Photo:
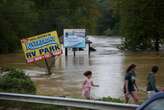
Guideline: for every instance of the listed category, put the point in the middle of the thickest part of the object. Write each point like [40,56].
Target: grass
[110,99]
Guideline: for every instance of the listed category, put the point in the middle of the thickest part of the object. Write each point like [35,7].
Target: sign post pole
[66,51]
[74,51]
[89,46]
[48,67]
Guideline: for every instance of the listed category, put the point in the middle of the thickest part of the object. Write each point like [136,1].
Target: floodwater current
[108,65]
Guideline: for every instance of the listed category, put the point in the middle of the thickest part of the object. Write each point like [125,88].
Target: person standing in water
[130,86]
[87,85]
[151,81]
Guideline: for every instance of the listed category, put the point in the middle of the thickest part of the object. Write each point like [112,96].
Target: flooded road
[108,65]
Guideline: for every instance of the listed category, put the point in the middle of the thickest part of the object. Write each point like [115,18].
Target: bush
[15,81]
[108,32]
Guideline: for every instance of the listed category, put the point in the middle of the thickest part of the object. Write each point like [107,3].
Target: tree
[17,19]
[107,22]
[141,23]
[60,14]
[24,18]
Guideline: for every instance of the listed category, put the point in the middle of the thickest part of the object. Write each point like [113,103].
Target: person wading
[151,81]
[130,86]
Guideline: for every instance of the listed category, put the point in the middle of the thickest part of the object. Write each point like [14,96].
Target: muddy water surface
[108,65]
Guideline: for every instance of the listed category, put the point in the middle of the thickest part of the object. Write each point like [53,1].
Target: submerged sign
[74,38]
[41,46]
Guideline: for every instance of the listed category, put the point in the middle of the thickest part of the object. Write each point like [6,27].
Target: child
[88,83]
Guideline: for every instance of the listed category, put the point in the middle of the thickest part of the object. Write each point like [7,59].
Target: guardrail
[67,102]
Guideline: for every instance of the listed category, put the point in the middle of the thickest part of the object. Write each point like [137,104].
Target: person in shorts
[130,86]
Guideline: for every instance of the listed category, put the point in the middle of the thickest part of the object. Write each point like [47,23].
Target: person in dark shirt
[151,81]
[130,86]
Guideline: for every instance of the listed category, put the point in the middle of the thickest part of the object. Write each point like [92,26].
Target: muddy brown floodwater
[108,65]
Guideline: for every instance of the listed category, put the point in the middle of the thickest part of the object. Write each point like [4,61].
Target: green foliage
[16,81]
[107,24]
[141,22]
[108,32]
[16,20]
[110,99]
[24,18]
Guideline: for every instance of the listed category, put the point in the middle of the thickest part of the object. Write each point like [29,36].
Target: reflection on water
[107,64]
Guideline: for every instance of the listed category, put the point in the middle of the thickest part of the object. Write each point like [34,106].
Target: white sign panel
[74,38]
